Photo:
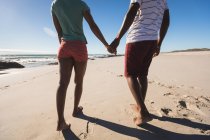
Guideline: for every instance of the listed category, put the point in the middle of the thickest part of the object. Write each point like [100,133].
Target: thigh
[65,65]
[147,60]
[134,57]
[80,69]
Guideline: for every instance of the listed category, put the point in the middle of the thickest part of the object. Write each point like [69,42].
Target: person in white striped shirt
[147,22]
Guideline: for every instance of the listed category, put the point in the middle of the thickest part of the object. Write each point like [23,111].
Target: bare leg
[80,68]
[143,114]
[66,66]
[144,84]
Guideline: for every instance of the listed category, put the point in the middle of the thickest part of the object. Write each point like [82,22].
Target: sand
[178,99]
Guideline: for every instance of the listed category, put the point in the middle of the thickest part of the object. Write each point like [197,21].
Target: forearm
[128,20]
[163,32]
[98,34]
[125,26]
[164,27]
[57,27]
[59,39]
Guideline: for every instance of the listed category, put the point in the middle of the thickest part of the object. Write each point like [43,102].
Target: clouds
[50,32]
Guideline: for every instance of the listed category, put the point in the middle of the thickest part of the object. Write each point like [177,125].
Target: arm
[164,27]
[57,27]
[93,26]
[163,31]
[129,18]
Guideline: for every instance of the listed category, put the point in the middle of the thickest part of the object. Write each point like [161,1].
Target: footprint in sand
[120,75]
[89,131]
[170,87]
[196,108]
[90,127]
[5,87]
[160,84]
[152,102]
[192,107]
[83,135]
[167,94]
[150,82]
[207,132]
[182,104]
[204,99]
[165,111]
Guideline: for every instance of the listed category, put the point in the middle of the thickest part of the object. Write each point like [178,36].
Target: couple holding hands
[146,21]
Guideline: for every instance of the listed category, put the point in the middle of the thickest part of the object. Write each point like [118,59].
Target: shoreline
[36,60]
[39,60]
[36,63]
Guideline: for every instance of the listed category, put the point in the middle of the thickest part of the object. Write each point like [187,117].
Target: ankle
[61,120]
[75,108]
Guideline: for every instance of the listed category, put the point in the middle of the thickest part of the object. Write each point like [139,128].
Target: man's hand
[111,50]
[157,49]
[114,45]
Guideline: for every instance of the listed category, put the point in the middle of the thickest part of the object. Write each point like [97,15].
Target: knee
[63,84]
[78,81]
[131,78]
[143,77]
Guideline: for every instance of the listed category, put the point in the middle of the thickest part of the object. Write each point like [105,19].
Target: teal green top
[70,16]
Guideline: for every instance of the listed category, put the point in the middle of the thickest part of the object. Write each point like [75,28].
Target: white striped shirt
[148,20]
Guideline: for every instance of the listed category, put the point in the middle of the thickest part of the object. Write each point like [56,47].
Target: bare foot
[78,111]
[135,108]
[62,126]
[142,120]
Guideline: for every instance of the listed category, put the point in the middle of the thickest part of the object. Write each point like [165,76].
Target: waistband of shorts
[145,42]
[73,42]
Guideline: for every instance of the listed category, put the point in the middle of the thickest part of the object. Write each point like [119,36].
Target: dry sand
[178,99]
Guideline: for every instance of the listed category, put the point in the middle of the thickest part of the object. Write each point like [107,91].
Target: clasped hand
[112,48]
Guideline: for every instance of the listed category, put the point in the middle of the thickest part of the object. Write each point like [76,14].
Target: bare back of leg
[144,84]
[140,108]
[66,65]
[80,69]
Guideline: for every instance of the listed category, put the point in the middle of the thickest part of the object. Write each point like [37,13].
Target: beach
[178,99]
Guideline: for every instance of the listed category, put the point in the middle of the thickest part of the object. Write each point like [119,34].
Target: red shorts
[138,57]
[73,49]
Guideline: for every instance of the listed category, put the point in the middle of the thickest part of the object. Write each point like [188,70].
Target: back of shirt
[70,17]
[148,20]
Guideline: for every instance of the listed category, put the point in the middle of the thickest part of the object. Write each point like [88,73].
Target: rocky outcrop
[8,65]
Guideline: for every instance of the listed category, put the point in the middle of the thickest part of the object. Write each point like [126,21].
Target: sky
[26,25]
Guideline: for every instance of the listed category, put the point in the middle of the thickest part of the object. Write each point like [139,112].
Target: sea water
[34,60]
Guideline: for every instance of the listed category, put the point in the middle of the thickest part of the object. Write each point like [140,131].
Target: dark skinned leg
[144,84]
[66,65]
[80,68]
[143,114]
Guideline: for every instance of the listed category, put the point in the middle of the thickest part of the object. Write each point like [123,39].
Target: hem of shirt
[67,39]
[138,40]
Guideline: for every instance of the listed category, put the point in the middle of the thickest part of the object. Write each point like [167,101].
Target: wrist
[118,38]
[106,44]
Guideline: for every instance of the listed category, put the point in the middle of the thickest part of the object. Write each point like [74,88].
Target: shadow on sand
[151,132]
[69,135]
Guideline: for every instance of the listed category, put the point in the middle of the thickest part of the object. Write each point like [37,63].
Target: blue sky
[26,25]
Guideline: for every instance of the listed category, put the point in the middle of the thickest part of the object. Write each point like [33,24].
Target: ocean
[34,60]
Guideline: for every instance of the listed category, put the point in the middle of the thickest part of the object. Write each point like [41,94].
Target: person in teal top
[68,20]
[71,21]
